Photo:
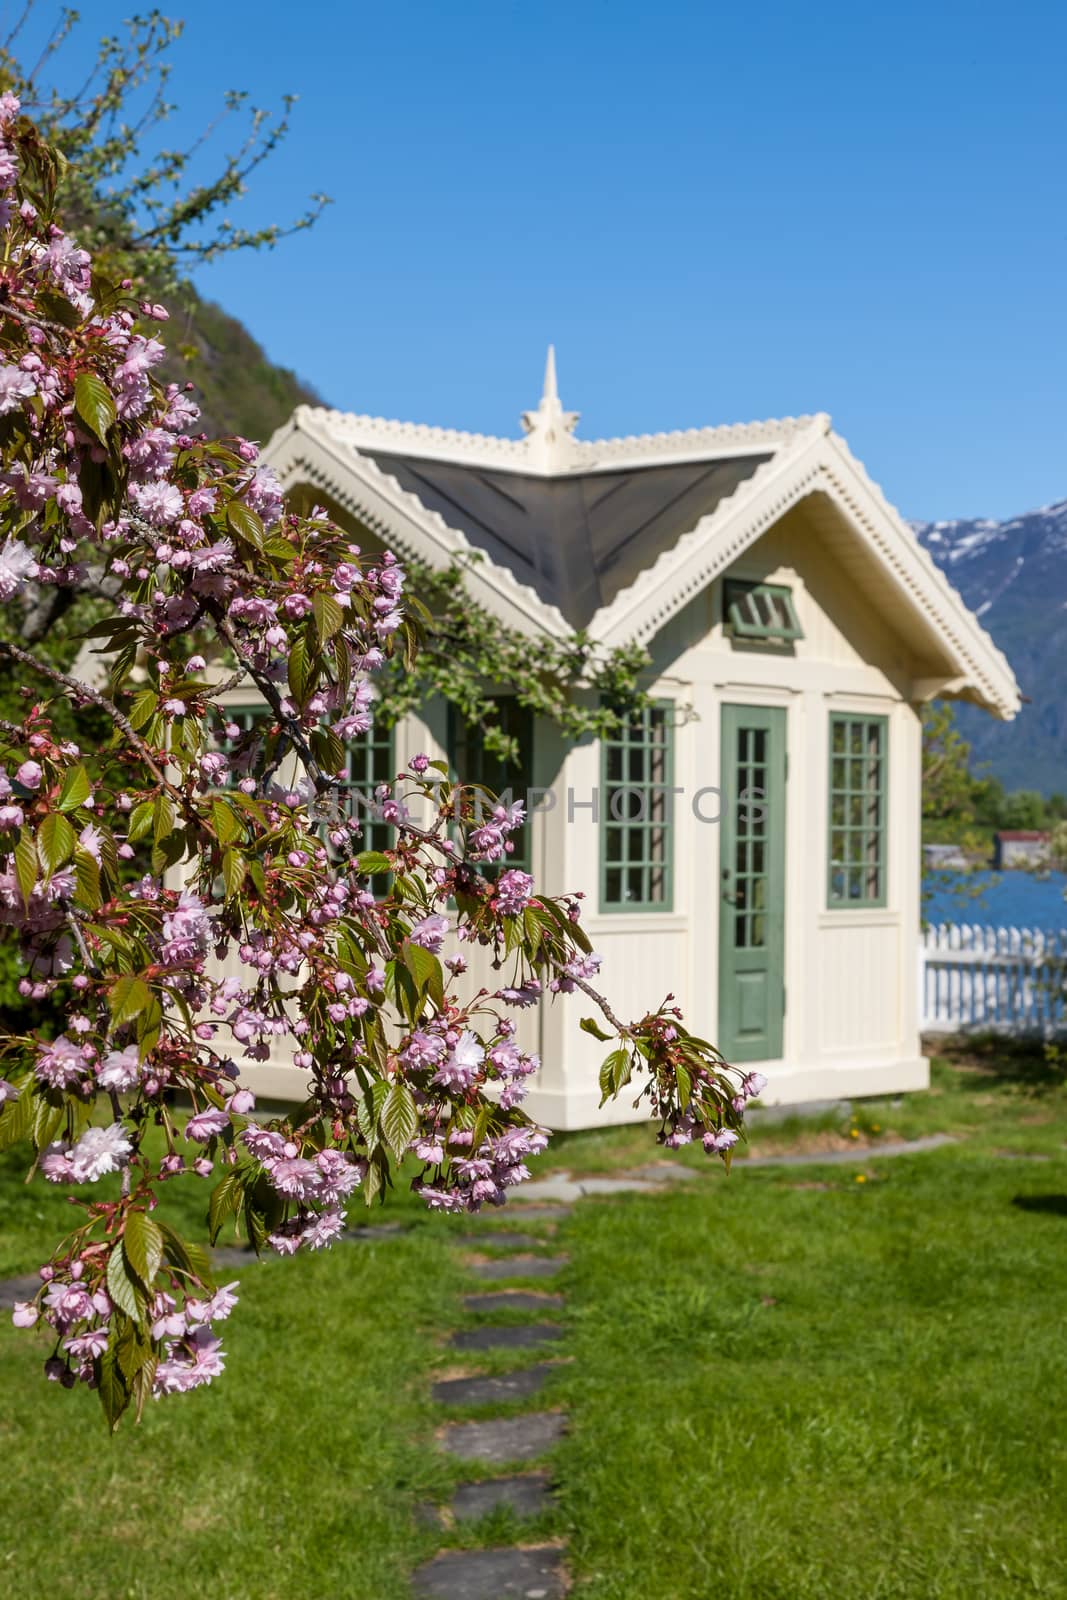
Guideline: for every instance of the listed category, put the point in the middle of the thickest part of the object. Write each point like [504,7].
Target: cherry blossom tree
[130,872]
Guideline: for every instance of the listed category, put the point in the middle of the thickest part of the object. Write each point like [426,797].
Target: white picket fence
[1005,980]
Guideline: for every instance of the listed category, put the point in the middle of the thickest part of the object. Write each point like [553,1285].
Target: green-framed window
[636,813]
[370,761]
[858,797]
[471,763]
[760,612]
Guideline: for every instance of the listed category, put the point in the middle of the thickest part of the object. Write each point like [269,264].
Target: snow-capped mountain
[1014,575]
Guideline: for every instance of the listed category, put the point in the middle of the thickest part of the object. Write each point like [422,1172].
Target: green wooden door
[752,884]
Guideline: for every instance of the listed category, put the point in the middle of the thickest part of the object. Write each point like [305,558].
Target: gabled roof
[615,536]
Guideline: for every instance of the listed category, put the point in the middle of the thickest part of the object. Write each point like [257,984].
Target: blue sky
[717,213]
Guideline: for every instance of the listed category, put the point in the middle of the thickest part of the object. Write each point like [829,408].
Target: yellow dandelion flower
[861,1177]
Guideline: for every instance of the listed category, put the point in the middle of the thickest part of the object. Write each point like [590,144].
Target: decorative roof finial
[547,428]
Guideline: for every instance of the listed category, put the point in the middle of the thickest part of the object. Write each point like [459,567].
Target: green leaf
[141,818]
[590,1025]
[400,1118]
[143,707]
[55,841]
[244,522]
[614,1074]
[76,789]
[186,1257]
[226,1198]
[128,998]
[299,675]
[372,861]
[26,864]
[120,1286]
[111,1387]
[685,1085]
[87,888]
[164,818]
[426,971]
[328,750]
[234,867]
[17,1117]
[93,405]
[227,823]
[143,1243]
[329,618]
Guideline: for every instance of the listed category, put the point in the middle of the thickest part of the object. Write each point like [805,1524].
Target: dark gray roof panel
[577,540]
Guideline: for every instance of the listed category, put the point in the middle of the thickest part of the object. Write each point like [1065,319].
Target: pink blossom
[25,1314]
[186,930]
[16,565]
[99,1151]
[512,894]
[430,932]
[463,1064]
[159,503]
[206,1124]
[15,387]
[30,774]
[60,1064]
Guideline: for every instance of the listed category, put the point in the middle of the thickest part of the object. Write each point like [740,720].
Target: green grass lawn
[787,1384]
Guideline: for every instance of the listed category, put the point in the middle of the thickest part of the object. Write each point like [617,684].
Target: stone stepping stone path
[513,1300]
[511,1336]
[12,1289]
[528,1494]
[519,1267]
[504,1439]
[523,1572]
[504,1390]
[493,1575]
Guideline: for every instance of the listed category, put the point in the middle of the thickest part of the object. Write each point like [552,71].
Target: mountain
[238,388]
[1014,576]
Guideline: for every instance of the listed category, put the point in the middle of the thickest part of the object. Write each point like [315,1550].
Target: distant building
[945,857]
[1020,847]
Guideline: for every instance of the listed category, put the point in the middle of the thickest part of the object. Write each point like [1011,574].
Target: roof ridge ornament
[548,429]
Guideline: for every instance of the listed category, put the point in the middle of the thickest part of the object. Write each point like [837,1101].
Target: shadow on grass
[1053,1205]
[1029,1062]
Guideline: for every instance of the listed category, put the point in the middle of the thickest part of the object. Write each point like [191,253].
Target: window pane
[471,763]
[635,812]
[857,794]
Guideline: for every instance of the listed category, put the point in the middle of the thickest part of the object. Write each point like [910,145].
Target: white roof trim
[817,462]
[571,455]
[301,453]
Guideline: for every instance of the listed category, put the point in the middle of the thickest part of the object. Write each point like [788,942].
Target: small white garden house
[751,844]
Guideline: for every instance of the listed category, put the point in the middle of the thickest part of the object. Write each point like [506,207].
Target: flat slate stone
[492,1575]
[519,1336]
[504,1438]
[482,1391]
[12,1289]
[377,1230]
[527,1494]
[563,1187]
[512,1300]
[520,1267]
[503,1240]
[848,1158]
[235,1255]
[538,1213]
[665,1172]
